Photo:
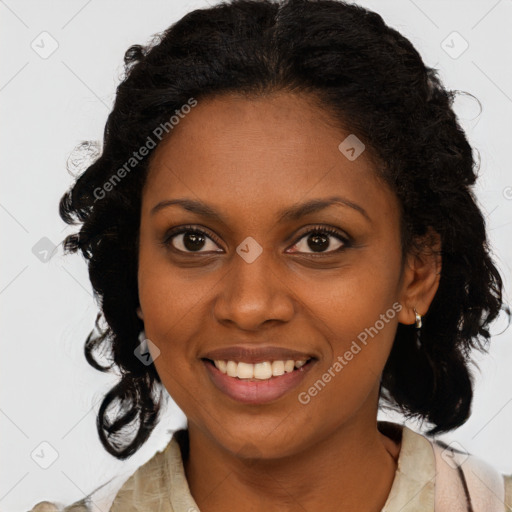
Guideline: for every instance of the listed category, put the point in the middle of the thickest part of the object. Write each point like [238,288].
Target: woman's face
[257,278]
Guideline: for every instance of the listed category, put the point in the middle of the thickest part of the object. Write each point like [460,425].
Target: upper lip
[252,354]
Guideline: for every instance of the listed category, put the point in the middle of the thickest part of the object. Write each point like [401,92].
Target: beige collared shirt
[427,479]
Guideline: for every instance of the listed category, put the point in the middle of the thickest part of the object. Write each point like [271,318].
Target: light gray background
[48,105]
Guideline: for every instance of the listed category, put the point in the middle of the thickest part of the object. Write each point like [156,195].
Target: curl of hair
[366,77]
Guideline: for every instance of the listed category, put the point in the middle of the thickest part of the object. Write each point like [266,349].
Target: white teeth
[231,368]
[262,371]
[278,368]
[289,366]
[245,371]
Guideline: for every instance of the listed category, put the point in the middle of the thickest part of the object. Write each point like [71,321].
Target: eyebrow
[288,214]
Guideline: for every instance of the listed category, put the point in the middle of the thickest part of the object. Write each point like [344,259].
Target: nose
[251,294]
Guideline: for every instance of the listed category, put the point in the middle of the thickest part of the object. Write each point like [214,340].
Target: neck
[351,469]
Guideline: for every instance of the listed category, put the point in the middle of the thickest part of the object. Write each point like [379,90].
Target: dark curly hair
[365,76]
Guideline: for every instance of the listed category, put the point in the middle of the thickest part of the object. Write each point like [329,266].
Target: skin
[250,158]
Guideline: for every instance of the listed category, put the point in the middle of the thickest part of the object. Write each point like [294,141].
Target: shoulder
[50,506]
[432,475]
[508,490]
[464,478]
[149,487]
[99,499]
[45,506]
[161,483]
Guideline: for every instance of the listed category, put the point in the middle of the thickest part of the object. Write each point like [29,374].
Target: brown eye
[319,240]
[190,240]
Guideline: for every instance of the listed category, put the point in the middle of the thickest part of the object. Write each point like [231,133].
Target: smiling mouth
[249,389]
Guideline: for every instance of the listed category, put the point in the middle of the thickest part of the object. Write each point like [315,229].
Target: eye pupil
[320,242]
[193,241]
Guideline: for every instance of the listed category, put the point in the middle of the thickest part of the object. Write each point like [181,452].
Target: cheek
[357,315]
[173,311]
[358,299]
[169,296]
[351,375]
[170,315]
[175,306]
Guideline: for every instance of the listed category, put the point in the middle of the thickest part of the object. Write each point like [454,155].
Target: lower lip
[257,391]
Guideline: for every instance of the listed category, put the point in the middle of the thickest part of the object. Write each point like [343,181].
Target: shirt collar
[412,489]
[414,483]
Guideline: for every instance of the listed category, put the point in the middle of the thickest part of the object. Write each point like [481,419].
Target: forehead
[278,149]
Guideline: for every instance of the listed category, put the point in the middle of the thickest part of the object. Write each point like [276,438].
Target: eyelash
[166,242]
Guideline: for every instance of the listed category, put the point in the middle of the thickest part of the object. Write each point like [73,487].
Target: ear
[139,313]
[420,279]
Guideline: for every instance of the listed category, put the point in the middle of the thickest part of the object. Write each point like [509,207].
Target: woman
[282,232]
